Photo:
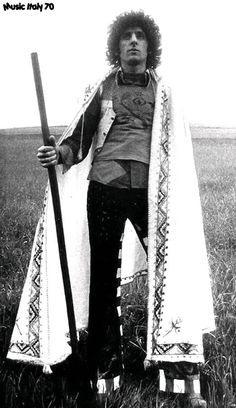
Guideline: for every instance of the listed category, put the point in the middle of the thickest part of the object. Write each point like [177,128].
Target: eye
[126,36]
[140,35]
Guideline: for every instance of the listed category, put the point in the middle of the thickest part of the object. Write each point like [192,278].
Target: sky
[199,56]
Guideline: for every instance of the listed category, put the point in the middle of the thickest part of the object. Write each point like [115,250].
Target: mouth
[133,50]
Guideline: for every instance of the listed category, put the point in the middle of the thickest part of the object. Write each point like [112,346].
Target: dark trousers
[108,209]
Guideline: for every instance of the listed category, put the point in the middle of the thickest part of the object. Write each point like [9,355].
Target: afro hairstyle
[134,19]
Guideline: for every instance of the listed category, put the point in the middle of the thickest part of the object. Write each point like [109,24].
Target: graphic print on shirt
[134,107]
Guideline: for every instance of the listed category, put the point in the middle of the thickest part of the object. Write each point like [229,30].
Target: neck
[134,69]
[127,78]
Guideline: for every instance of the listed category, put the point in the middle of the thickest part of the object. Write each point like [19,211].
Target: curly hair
[134,19]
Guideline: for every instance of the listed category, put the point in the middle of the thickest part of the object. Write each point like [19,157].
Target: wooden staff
[56,207]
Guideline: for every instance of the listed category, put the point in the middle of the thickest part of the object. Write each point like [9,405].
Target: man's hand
[48,155]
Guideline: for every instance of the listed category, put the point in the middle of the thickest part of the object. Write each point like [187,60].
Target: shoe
[101,400]
[196,401]
[179,401]
[165,400]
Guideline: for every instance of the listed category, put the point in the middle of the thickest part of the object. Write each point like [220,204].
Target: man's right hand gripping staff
[49,155]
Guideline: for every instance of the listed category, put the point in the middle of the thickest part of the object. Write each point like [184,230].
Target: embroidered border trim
[32,347]
[166,352]
[162,220]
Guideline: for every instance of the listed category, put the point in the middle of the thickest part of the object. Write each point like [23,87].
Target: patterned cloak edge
[180,306]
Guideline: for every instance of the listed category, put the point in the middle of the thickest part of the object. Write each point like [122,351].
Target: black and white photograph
[118,204]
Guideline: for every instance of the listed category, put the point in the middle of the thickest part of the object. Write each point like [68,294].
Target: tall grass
[216,166]
[22,185]
[22,188]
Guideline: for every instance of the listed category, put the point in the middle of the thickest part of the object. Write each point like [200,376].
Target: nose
[133,38]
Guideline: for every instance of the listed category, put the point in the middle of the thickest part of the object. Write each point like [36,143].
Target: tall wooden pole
[56,206]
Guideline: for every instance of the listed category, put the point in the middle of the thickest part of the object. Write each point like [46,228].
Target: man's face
[133,48]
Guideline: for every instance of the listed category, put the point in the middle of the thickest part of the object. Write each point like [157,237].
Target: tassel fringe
[47,369]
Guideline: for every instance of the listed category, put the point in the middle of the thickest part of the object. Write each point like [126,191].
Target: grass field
[22,183]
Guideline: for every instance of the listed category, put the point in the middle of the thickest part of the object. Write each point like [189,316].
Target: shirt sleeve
[82,134]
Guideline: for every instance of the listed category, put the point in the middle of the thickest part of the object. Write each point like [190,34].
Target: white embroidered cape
[180,306]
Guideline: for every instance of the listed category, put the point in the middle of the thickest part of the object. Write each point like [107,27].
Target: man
[135,175]
[118,186]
